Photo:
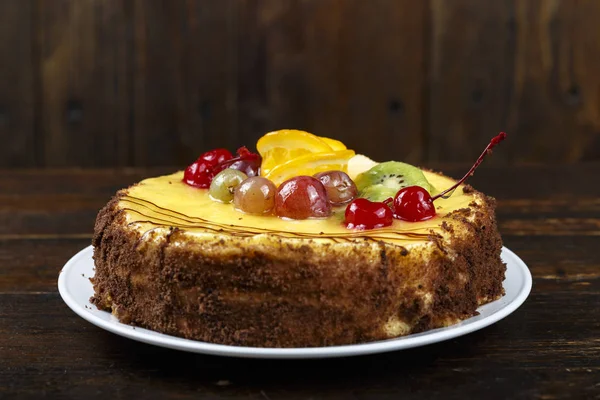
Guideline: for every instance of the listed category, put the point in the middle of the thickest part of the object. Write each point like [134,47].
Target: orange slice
[310,164]
[281,146]
[334,144]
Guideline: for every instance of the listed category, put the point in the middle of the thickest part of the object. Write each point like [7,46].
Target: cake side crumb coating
[295,293]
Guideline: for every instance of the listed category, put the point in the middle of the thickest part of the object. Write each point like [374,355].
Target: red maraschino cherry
[201,173]
[365,214]
[413,203]
[246,162]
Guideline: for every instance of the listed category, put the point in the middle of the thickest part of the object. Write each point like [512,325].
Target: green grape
[224,183]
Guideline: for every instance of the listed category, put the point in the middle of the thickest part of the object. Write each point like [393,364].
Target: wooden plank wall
[99,83]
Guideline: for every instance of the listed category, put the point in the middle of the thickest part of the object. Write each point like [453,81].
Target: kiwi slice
[378,193]
[385,179]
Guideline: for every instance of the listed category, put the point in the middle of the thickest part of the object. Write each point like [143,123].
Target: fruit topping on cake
[385,180]
[201,173]
[298,175]
[340,188]
[412,201]
[255,195]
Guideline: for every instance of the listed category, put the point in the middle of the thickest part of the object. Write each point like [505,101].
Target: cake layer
[170,260]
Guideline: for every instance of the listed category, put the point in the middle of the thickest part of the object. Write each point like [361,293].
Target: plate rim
[395,344]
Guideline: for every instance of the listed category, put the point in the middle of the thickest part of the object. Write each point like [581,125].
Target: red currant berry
[365,214]
[413,203]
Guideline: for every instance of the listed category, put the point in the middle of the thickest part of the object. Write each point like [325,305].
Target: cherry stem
[448,192]
[389,202]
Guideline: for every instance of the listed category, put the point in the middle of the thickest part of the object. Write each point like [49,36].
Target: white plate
[75,288]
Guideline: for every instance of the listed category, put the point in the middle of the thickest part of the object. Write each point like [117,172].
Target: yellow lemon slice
[310,164]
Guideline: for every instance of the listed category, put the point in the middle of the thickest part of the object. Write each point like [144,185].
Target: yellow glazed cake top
[166,201]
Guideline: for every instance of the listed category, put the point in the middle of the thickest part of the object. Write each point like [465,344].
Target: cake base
[283,292]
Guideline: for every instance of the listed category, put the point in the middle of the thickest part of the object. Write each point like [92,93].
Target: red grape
[246,161]
[340,188]
[302,197]
[255,195]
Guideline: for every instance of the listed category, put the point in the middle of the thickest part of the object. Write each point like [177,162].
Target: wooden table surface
[549,348]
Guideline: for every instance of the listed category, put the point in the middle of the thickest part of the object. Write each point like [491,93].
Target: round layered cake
[170,259]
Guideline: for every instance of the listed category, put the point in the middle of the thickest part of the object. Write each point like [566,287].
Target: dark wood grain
[471,74]
[548,349]
[551,85]
[337,69]
[153,83]
[17,85]
[185,82]
[83,51]
[514,66]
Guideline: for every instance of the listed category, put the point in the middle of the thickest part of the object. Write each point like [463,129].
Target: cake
[170,258]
